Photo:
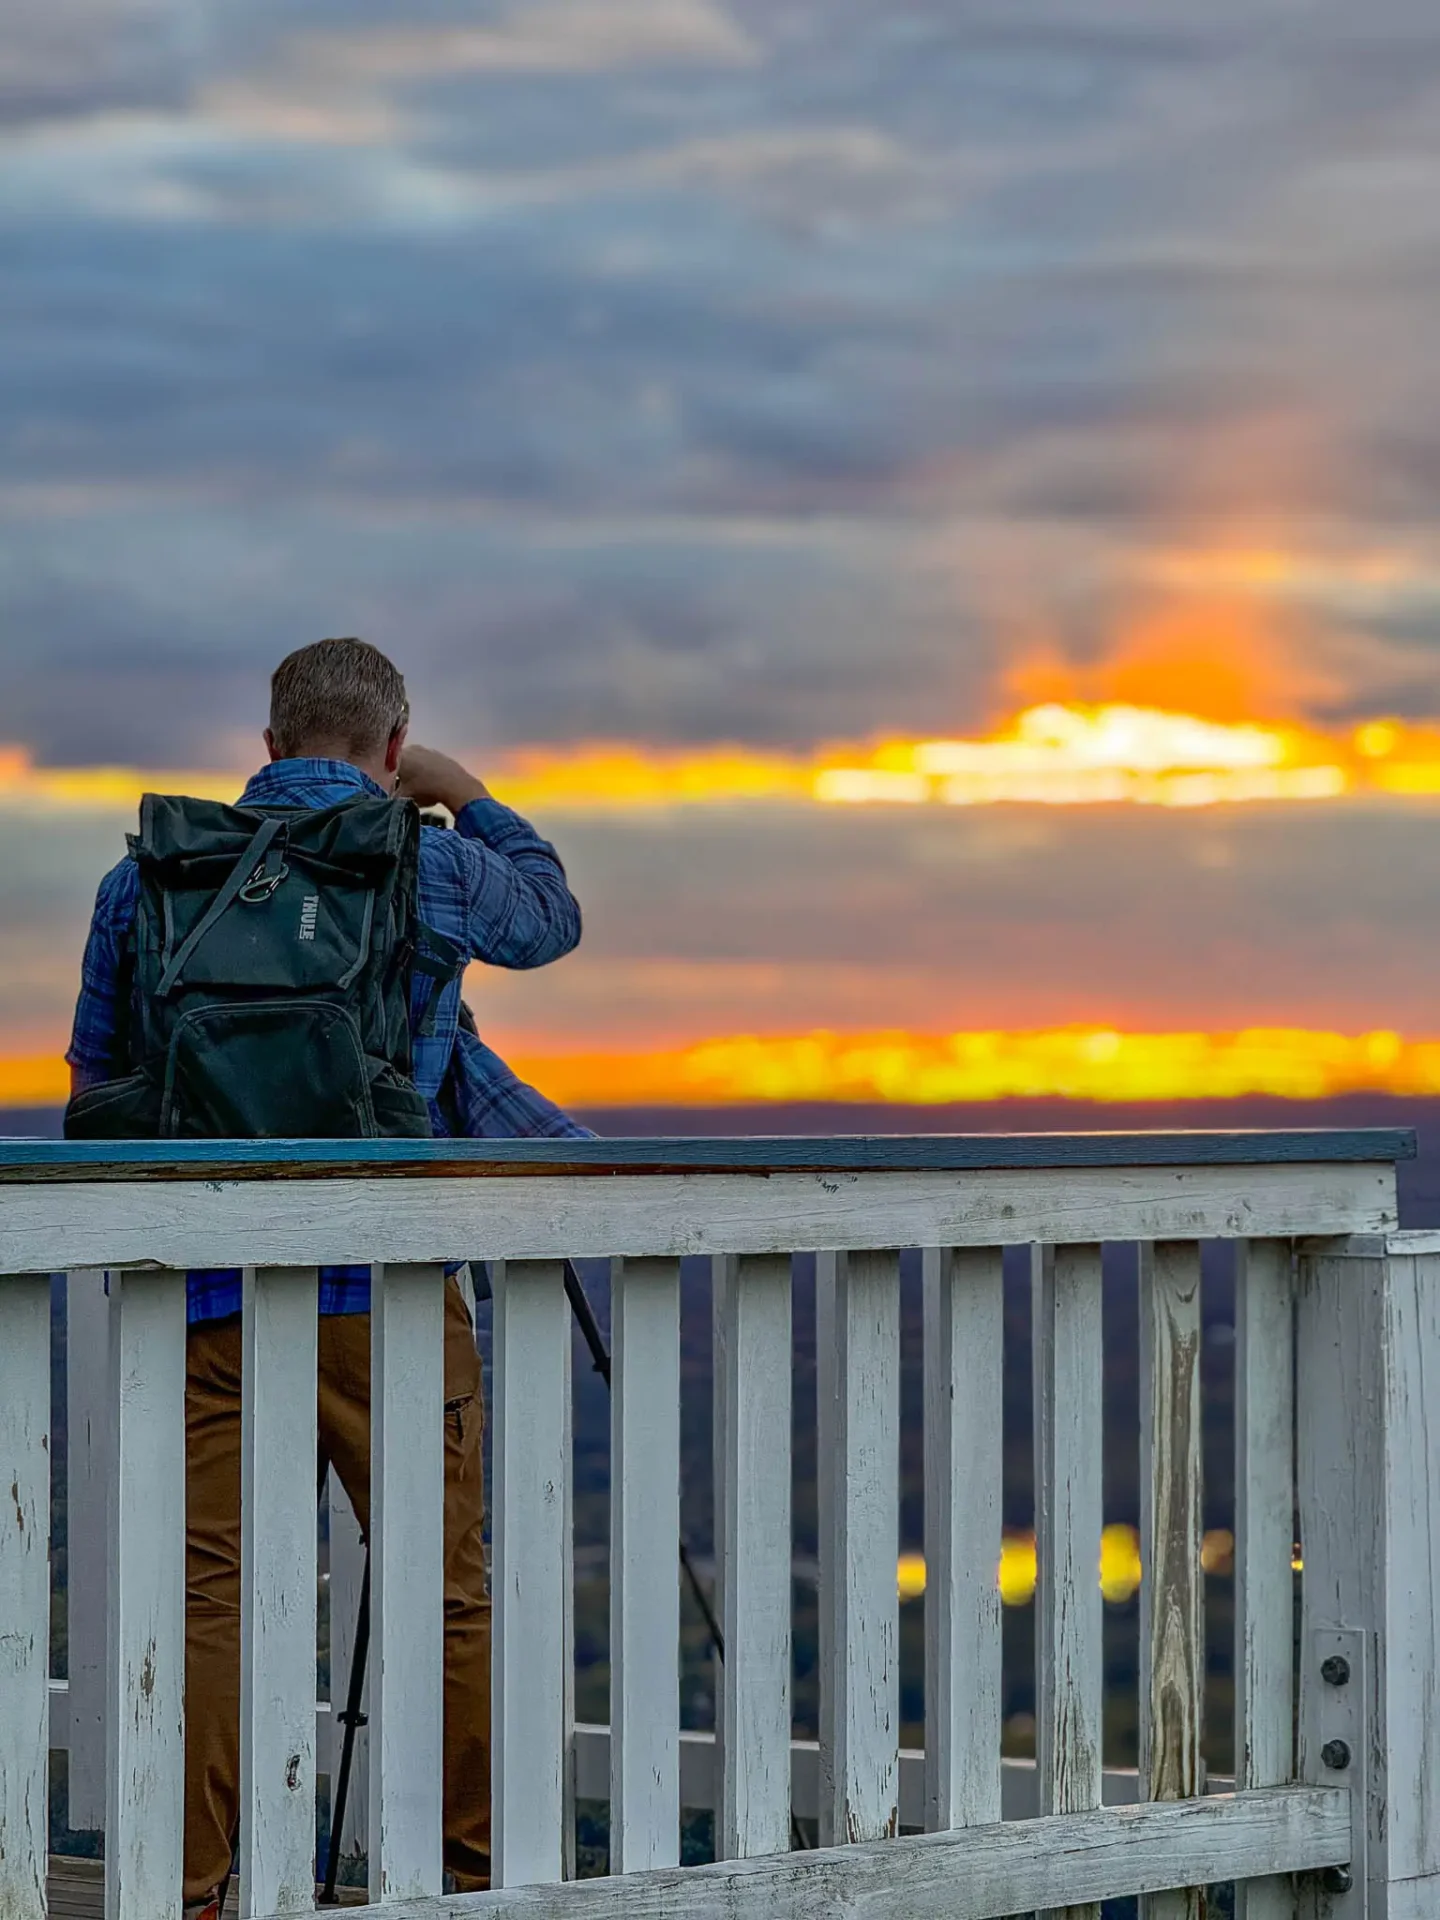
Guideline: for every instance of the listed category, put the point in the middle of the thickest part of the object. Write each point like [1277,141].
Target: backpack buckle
[262,885]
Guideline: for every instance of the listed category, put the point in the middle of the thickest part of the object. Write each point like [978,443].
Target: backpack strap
[248,877]
[439,961]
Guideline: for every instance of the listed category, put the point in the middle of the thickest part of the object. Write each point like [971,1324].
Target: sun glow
[1067,755]
[1054,754]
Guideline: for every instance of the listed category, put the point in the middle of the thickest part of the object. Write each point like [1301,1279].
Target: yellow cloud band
[1076,1063]
[1052,755]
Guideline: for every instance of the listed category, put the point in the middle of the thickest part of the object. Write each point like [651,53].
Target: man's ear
[396,747]
[270,745]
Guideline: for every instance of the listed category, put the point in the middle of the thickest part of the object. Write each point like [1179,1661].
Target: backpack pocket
[401,1111]
[267,1070]
[127,1109]
[311,933]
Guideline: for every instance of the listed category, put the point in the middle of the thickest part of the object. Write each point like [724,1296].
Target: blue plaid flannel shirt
[493,886]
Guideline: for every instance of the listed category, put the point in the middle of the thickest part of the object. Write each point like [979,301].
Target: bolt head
[1335,1754]
[1337,1879]
[1335,1671]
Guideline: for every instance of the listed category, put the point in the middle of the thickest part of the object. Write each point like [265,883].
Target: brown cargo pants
[212,1577]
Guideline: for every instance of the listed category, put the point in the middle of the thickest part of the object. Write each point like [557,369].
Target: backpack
[270,970]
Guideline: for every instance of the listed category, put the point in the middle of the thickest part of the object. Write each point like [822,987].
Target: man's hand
[433,779]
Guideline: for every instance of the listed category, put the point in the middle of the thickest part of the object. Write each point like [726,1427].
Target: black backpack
[269,976]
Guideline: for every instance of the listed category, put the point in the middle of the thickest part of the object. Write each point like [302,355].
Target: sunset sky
[823,458]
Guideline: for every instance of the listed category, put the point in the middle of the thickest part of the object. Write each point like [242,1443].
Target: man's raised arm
[519,910]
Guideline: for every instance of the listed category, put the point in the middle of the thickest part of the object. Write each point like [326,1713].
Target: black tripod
[352,1718]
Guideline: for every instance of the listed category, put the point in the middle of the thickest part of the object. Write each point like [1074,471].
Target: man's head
[339,700]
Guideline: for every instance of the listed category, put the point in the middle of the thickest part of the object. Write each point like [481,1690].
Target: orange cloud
[917,1069]
[102,788]
[1224,655]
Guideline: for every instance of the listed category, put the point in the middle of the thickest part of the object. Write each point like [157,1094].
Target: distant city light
[1119,1569]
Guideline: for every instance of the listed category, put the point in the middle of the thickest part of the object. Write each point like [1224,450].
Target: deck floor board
[77,1891]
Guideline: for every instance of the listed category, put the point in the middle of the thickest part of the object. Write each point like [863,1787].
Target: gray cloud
[685,369]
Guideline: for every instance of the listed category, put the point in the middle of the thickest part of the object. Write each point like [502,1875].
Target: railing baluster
[347,1576]
[1172,1649]
[277,1592]
[569,1838]
[755,1789]
[1069,1512]
[531,1561]
[858,1366]
[1264,1539]
[407,1572]
[644,1573]
[145,1763]
[87,1403]
[24,1594]
[964,1459]
[722,1280]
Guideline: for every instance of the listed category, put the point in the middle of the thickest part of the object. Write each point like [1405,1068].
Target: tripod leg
[353,1719]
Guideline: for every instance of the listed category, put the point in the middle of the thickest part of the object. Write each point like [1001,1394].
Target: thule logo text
[309,915]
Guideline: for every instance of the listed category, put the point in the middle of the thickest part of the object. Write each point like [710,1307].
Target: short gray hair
[339,693]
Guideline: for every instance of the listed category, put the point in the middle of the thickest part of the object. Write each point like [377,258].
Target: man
[492,890]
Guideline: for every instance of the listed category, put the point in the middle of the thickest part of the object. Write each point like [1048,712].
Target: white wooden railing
[1340,1346]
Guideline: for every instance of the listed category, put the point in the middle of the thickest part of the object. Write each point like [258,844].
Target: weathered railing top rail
[84,1160]
[193,1204]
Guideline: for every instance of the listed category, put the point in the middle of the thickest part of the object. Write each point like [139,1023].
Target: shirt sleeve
[518,907]
[93,1037]
[496,1104]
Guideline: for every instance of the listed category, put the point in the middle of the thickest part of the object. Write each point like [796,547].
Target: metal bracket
[1336,1752]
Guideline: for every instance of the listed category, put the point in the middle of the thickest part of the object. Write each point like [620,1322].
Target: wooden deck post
[1172,1646]
[1368,1337]
[1068,1367]
[1264,1539]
